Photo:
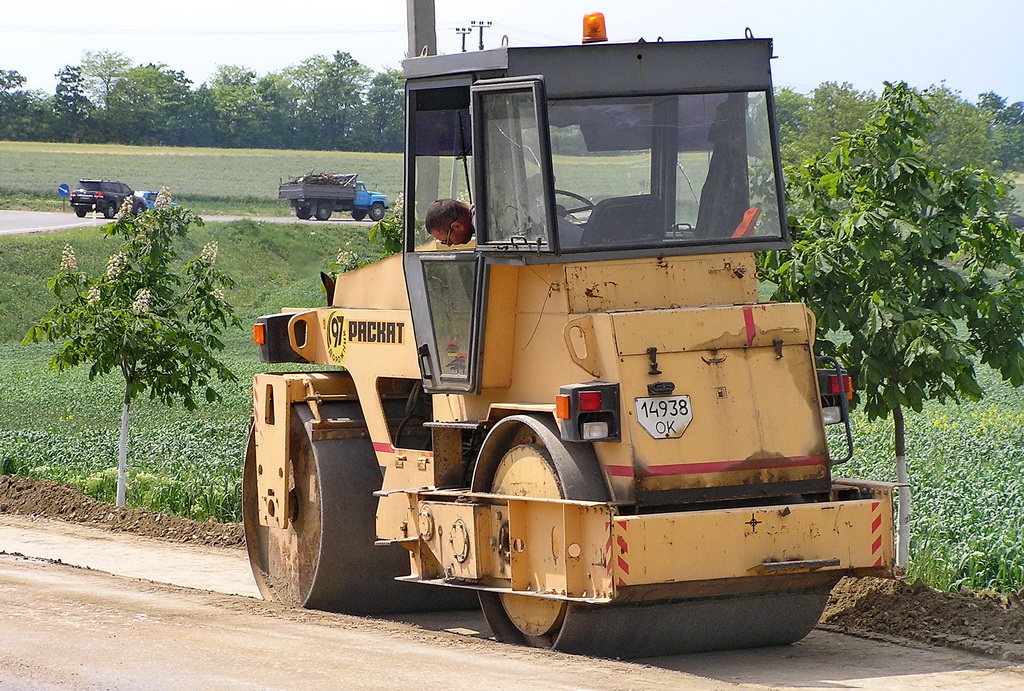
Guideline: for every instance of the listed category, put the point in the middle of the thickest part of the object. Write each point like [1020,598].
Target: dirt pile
[53,500]
[987,623]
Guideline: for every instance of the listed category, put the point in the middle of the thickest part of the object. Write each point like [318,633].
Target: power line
[190,31]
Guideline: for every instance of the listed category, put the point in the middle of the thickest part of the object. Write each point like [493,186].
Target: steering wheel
[587,204]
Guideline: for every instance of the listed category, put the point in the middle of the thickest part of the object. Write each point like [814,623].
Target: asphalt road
[15,222]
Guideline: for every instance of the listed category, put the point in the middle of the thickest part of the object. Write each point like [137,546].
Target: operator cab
[579,154]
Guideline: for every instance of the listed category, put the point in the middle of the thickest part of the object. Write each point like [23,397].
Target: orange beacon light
[593,28]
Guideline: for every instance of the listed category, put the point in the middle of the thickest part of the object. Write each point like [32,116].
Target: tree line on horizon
[324,103]
[338,104]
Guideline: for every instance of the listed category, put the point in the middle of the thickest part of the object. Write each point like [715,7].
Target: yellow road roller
[582,418]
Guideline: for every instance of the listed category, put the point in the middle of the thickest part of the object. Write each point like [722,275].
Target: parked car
[148,198]
[104,196]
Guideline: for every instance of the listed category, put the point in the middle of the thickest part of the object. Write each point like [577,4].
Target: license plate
[664,417]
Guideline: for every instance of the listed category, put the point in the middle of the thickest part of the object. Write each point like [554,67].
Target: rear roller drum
[524,456]
[326,558]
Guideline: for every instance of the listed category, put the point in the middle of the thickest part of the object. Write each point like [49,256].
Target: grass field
[207,180]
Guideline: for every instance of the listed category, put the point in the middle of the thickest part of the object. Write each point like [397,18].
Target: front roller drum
[326,559]
[523,455]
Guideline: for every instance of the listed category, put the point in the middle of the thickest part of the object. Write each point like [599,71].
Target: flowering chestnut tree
[150,317]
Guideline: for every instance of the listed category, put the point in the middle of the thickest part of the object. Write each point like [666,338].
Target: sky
[973,46]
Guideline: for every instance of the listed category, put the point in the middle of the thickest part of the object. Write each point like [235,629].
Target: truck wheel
[376,211]
[110,210]
[80,211]
[358,214]
[323,211]
[303,211]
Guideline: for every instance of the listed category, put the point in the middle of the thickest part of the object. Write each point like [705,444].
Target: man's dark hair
[442,213]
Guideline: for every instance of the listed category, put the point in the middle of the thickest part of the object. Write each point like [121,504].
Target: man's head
[450,222]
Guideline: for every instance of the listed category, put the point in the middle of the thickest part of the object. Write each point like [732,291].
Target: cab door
[509,154]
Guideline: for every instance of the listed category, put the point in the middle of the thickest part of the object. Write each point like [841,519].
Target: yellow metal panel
[658,283]
[712,328]
[735,543]
[756,418]
[500,327]
[560,548]
[273,396]
[457,535]
[380,285]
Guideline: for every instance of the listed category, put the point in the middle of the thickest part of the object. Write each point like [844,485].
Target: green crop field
[196,176]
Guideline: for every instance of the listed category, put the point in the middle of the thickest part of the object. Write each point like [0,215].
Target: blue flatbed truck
[320,195]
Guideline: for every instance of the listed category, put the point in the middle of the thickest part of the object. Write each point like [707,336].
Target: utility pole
[420,18]
[463,31]
[480,25]
[423,41]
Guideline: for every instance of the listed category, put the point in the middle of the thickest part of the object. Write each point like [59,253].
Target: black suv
[105,196]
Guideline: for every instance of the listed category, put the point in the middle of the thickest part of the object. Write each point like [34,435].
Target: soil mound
[53,500]
[987,623]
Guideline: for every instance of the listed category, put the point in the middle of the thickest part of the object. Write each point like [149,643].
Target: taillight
[259,334]
[841,384]
[588,412]
[97,194]
[590,401]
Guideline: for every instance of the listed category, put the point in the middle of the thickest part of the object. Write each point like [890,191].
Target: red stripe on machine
[877,545]
[748,320]
[732,466]
[624,567]
[876,524]
[383,447]
[620,470]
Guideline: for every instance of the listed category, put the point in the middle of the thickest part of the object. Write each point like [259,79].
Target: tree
[912,275]
[384,111]
[24,115]
[960,137]
[238,104]
[280,105]
[155,322]
[102,71]
[832,108]
[70,104]
[1007,123]
[146,105]
[331,96]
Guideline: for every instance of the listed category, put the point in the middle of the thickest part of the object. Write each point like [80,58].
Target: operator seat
[624,221]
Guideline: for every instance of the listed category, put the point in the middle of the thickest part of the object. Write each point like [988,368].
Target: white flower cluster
[209,254]
[126,207]
[399,206]
[218,294]
[141,304]
[345,257]
[114,265]
[163,198]
[67,259]
[94,295]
